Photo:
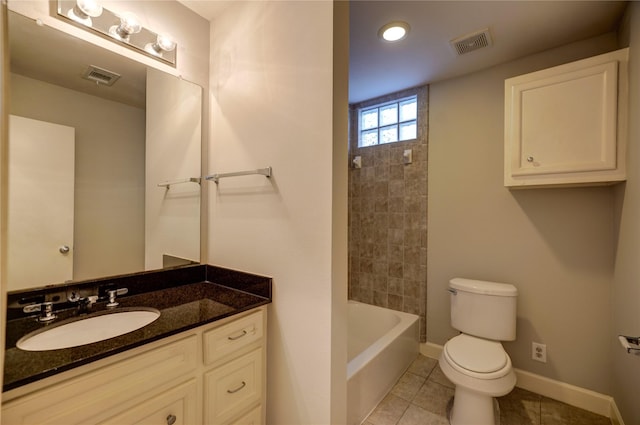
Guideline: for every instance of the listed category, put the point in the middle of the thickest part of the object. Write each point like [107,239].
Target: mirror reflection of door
[41,202]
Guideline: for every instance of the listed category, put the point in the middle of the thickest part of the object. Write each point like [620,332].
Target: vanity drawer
[234,387]
[97,395]
[254,417]
[226,339]
[177,406]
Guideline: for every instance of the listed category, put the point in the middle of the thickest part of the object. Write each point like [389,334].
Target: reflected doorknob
[64,249]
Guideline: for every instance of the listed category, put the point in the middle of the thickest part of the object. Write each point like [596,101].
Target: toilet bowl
[475,361]
[480,370]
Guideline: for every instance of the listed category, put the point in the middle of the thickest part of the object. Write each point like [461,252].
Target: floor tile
[389,411]
[520,407]
[422,366]
[414,415]
[434,397]
[554,412]
[408,385]
[423,394]
[438,376]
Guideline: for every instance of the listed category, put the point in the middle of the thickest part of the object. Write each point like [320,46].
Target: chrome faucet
[84,303]
[46,310]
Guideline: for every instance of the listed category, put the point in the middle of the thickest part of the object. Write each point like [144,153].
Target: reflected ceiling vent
[470,42]
[100,75]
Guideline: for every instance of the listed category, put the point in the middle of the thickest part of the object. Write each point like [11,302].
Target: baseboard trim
[575,396]
[616,417]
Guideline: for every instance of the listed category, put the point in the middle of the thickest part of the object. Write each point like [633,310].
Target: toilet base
[473,408]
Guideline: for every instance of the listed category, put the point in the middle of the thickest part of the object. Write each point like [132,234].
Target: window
[388,122]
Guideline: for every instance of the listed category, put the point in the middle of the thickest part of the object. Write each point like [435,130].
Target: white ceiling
[518,28]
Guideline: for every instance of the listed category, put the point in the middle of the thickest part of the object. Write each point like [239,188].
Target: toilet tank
[484,309]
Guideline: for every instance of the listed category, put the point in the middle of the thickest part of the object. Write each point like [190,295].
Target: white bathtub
[382,343]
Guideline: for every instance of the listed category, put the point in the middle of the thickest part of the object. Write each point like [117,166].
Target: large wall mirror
[103,179]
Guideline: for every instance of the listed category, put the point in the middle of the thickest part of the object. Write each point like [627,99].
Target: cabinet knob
[529,159]
[171,419]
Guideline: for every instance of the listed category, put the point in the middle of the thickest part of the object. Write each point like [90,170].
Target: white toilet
[475,361]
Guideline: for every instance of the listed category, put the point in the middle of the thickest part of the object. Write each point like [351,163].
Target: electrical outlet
[539,352]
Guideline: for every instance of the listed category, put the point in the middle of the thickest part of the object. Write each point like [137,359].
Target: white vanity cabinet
[567,125]
[214,374]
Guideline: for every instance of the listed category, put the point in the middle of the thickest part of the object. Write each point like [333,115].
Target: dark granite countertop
[182,307]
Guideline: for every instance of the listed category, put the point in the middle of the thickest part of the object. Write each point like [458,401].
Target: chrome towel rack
[630,343]
[170,183]
[262,171]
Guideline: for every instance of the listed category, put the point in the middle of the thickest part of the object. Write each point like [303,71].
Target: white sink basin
[85,331]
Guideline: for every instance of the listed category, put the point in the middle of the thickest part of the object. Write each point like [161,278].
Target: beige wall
[4,143]
[272,105]
[555,245]
[109,189]
[626,282]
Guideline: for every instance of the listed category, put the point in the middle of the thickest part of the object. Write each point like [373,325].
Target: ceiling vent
[100,75]
[470,42]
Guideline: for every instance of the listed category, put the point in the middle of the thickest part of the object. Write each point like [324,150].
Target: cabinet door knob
[529,159]
[171,419]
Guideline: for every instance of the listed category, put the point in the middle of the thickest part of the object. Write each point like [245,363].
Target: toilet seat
[477,357]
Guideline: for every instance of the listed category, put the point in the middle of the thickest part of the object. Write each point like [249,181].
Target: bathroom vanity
[201,362]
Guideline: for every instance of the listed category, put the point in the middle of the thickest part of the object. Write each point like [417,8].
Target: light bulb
[84,10]
[163,43]
[129,24]
[394,31]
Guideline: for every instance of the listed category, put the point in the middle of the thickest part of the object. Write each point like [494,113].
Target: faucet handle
[46,308]
[112,293]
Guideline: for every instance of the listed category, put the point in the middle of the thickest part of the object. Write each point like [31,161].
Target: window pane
[389,114]
[408,131]
[389,134]
[369,119]
[369,137]
[408,110]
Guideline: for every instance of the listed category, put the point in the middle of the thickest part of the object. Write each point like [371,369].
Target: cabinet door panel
[567,122]
[92,397]
[226,339]
[176,406]
[254,417]
[233,387]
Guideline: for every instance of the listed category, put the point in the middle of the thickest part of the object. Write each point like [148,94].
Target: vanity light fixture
[121,27]
[394,31]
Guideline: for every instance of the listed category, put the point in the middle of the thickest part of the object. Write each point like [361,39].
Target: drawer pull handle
[233,338]
[171,419]
[244,384]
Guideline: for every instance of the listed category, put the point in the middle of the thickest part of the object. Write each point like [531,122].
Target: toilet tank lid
[483,287]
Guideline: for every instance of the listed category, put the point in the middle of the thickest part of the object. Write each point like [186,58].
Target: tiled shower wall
[388,217]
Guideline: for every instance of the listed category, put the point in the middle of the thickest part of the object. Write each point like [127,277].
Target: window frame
[378,127]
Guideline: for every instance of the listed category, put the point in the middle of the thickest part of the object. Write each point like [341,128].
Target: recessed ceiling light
[394,31]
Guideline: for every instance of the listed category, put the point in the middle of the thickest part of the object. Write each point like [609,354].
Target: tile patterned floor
[421,396]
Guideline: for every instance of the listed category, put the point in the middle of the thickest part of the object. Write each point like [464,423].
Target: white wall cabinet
[567,125]
[179,380]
